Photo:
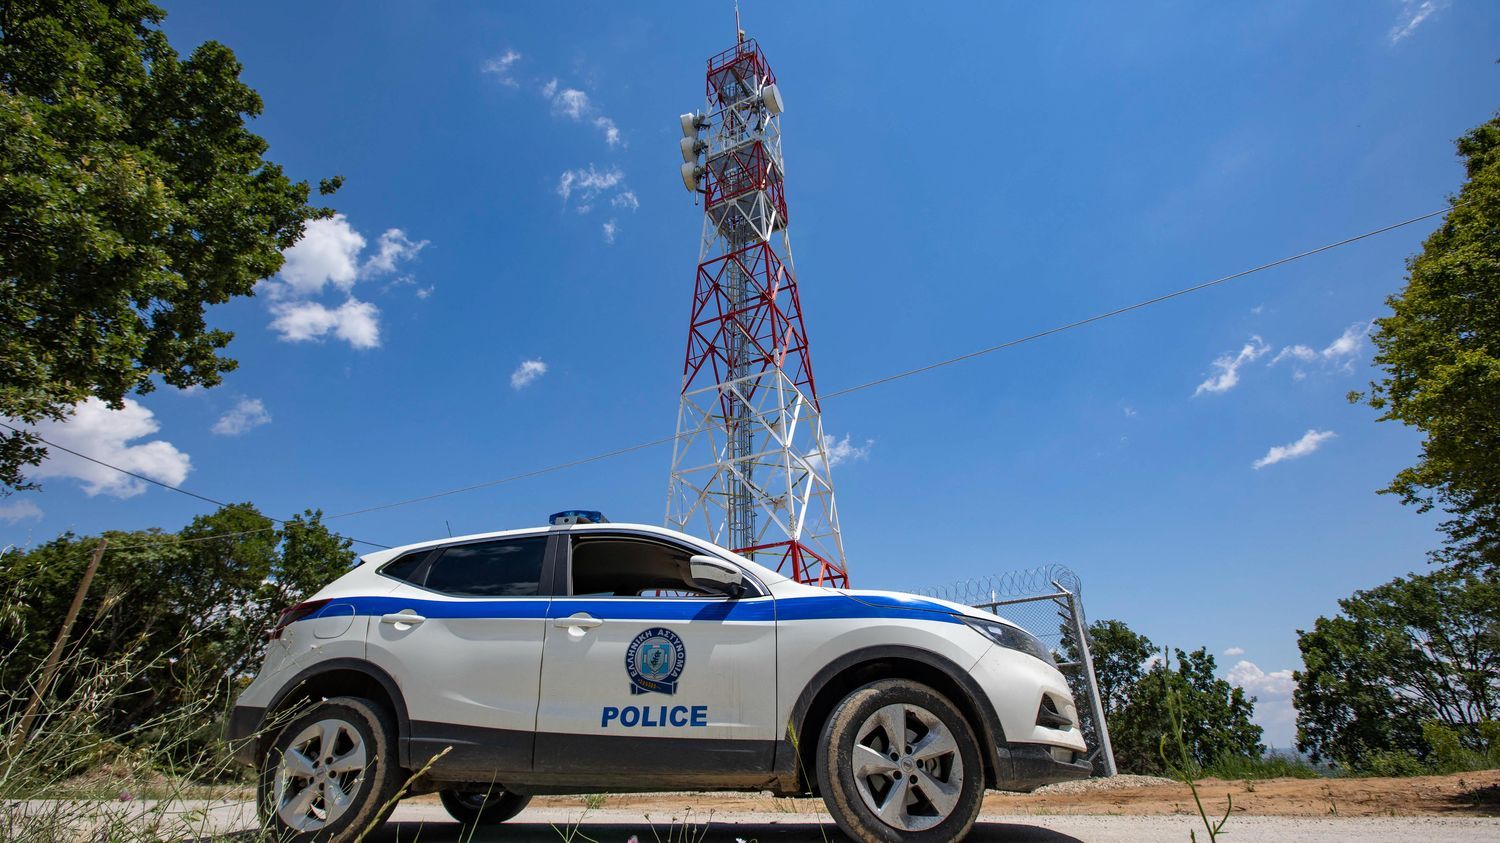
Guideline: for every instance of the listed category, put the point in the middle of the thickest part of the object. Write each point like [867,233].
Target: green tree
[1134,687]
[1120,661]
[1215,716]
[1419,649]
[132,196]
[1440,349]
[202,598]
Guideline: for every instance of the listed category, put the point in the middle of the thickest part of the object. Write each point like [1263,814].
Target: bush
[1451,753]
[1445,749]
[1392,763]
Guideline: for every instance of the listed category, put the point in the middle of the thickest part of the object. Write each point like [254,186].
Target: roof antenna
[739,33]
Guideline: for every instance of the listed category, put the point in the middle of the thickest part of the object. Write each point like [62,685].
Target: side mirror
[715,576]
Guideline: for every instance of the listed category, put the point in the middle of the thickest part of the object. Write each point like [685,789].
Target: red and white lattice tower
[750,464]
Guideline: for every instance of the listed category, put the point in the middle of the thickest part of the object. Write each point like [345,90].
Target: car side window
[407,567]
[503,568]
[619,566]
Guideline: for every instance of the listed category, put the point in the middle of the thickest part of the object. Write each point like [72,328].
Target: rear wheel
[495,805]
[898,762]
[330,774]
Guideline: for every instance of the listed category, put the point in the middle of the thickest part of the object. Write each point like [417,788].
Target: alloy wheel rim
[907,767]
[319,774]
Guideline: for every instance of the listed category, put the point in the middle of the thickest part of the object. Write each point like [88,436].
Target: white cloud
[1130,412]
[1413,13]
[1295,352]
[572,103]
[578,107]
[392,248]
[424,292]
[842,450]
[1235,651]
[1273,704]
[328,253]
[625,199]
[1228,374]
[611,132]
[1349,343]
[1249,676]
[1257,310]
[105,434]
[588,184]
[609,232]
[1310,441]
[1341,352]
[247,415]
[528,371]
[500,67]
[21,510]
[356,322]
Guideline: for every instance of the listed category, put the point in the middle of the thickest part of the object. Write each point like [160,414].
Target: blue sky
[957,177]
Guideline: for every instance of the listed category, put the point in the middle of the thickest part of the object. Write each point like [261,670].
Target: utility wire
[920,369]
[172,538]
[168,486]
[1126,309]
[826,396]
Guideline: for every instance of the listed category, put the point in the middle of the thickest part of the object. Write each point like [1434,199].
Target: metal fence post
[1085,655]
[1059,590]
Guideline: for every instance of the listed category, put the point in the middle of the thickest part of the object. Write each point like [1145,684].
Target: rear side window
[405,568]
[507,568]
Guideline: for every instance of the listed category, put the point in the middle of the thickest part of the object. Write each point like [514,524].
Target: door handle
[402,617]
[577,622]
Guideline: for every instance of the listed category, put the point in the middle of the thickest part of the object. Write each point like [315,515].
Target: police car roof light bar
[577,516]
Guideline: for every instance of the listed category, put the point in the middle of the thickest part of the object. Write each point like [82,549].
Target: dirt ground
[1464,794]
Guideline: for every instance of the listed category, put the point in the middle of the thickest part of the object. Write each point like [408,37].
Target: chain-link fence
[1048,603]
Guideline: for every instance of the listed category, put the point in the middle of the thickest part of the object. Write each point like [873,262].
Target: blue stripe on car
[624,608]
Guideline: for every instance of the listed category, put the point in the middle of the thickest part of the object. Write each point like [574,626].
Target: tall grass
[69,779]
[1270,766]
[1179,762]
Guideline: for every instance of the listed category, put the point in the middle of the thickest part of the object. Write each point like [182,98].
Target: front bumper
[243,733]
[1024,767]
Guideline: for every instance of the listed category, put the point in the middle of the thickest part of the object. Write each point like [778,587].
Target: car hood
[915,603]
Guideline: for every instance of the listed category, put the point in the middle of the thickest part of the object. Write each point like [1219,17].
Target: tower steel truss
[750,464]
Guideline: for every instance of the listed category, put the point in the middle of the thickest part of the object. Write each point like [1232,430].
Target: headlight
[1012,638]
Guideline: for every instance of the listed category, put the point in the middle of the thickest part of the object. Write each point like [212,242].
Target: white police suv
[592,657]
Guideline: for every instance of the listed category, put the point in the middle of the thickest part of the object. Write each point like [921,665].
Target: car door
[462,635]
[642,680]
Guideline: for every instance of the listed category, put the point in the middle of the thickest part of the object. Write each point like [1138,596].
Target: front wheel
[330,774]
[898,762]
[474,808]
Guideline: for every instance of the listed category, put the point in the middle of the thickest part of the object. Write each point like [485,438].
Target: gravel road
[429,824]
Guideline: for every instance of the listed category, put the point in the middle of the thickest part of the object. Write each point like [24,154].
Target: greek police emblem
[654,661]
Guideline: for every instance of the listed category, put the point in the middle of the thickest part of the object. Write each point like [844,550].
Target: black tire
[474,808]
[942,817]
[368,788]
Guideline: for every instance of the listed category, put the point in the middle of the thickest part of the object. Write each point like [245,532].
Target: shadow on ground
[434,832]
[1476,801]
